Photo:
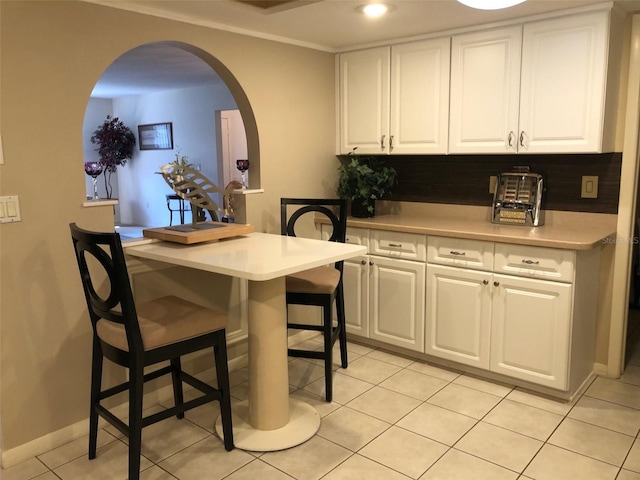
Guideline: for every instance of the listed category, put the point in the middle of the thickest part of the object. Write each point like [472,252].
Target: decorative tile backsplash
[464,179]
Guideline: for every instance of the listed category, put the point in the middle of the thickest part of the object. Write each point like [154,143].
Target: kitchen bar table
[269,420]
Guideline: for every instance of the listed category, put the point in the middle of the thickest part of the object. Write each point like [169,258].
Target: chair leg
[342,326]
[222,374]
[96,385]
[176,371]
[136,385]
[328,352]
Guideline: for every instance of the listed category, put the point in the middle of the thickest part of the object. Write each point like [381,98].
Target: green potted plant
[115,146]
[363,180]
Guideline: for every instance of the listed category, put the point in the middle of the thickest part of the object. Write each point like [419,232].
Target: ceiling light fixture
[490,4]
[374,10]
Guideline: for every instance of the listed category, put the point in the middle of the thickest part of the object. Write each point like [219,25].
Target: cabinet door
[364,100]
[485,87]
[355,282]
[531,324]
[458,315]
[396,302]
[563,84]
[420,97]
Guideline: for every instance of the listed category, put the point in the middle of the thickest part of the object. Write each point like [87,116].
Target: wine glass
[243,166]
[93,169]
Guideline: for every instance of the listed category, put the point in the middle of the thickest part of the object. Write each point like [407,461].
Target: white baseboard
[77,430]
[45,443]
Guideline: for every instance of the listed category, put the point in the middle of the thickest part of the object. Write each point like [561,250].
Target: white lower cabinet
[530,330]
[521,323]
[384,293]
[458,315]
[355,282]
[510,325]
[524,312]
[396,302]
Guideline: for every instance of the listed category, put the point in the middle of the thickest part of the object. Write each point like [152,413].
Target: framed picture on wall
[156,136]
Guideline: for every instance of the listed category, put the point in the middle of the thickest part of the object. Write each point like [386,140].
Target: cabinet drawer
[535,262]
[409,246]
[357,236]
[460,252]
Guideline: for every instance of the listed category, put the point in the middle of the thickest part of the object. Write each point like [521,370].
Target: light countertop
[565,230]
[255,256]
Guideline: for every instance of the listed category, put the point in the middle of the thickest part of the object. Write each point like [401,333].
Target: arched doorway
[175,83]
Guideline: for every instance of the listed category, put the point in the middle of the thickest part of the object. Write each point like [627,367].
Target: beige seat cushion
[314,280]
[164,321]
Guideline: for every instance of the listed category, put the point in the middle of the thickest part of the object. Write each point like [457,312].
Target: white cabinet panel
[536,88]
[458,316]
[460,252]
[364,100]
[564,66]
[355,282]
[420,97]
[396,303]
[531,326]
[535,262]
[395,100]
[485,88]
[408,246]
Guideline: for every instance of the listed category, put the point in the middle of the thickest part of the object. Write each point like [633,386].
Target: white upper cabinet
[539,88]
[364,100]
[420,97]
[395,100]
[562,100]
[485,89]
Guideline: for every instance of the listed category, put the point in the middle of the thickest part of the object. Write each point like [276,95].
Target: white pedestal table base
[304,422]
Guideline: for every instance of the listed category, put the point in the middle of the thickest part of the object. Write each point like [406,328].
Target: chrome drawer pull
[396,245]
[453,252]
[531,262]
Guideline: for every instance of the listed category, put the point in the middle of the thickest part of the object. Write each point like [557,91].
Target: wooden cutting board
[204,232]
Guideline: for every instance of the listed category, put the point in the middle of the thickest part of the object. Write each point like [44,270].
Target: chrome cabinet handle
[395,245]
[391,143]
[485,282]
[496,284]
[382,142]
[531,262]
[363,262]
[523,137]
[453,252]
[510,138]
[371,263]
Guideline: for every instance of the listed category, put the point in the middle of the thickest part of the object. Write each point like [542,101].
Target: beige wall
[52,55]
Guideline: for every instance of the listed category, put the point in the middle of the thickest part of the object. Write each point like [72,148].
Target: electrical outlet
[589,187]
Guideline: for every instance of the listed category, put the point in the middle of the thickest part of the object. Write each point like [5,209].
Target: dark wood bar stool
[321,286]
[136,336]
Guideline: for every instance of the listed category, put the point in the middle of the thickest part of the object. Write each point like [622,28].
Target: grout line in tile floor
[392,418]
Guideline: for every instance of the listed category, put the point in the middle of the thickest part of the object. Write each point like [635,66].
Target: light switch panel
[10,208]
[589,187]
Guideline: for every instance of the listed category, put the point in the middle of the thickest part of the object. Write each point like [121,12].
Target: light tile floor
[392,418]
